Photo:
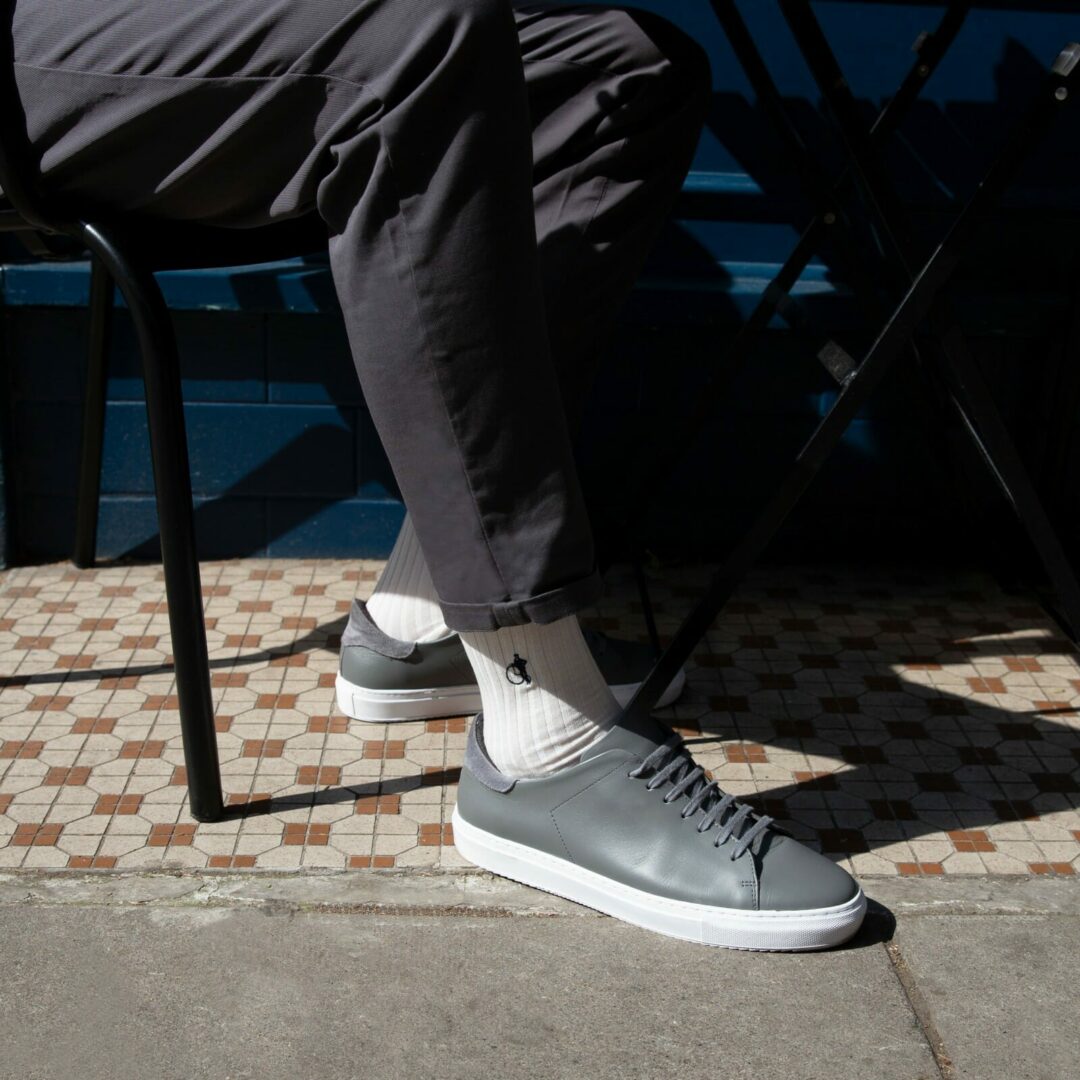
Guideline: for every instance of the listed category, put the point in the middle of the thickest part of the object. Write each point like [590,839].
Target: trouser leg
[616,100]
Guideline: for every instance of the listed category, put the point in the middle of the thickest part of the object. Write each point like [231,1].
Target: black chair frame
[125,253]
[919,324]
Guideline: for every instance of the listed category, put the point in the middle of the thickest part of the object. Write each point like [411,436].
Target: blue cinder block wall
[285,460]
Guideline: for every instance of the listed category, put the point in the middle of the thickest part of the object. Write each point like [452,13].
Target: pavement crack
[921,1008]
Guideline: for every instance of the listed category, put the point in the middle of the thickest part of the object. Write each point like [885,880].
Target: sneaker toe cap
[792,877]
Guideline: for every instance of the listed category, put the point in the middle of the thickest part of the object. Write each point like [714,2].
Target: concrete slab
[1001,991]
[418,892]
[475,892]
[230,992]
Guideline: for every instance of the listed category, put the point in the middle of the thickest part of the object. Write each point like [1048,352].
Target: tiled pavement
[907,725]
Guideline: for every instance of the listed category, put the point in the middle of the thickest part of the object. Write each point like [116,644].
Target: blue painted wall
[284,457]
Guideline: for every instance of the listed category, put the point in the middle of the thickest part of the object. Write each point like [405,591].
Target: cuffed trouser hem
[545,608]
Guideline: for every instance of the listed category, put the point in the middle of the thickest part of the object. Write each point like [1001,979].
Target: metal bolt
[1061,93]
[924,70]
[830,218]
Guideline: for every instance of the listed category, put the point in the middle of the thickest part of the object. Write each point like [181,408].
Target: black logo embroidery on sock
[515,671]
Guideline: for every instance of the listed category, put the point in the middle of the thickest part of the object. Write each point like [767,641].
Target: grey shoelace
[671,762]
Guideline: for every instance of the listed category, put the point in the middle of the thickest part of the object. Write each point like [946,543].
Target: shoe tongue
[640,739]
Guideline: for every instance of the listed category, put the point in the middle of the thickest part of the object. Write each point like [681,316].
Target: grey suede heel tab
[479,764]
[363,631]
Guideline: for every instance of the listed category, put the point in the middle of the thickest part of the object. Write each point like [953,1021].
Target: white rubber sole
[399,706]
[763,931]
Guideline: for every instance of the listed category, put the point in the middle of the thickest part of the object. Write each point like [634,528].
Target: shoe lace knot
[672,763]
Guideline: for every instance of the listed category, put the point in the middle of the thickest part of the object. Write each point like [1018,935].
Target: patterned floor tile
[905,725]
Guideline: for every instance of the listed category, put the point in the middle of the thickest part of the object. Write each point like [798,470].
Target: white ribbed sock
[544,698]
[404,603]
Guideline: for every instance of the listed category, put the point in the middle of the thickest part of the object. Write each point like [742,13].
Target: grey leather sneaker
[637,830]
[382,679]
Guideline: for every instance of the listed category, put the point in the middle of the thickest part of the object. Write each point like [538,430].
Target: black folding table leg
[988,430]
[949,351]
[100,310]
[176,524]
[1061,436]
[886,210]
[860,383]
[931,49]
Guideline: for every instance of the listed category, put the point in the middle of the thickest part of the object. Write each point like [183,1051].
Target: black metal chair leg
[93,426]
[980,415]
[176,523]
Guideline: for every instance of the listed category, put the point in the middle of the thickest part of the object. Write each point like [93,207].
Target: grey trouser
[491,179]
